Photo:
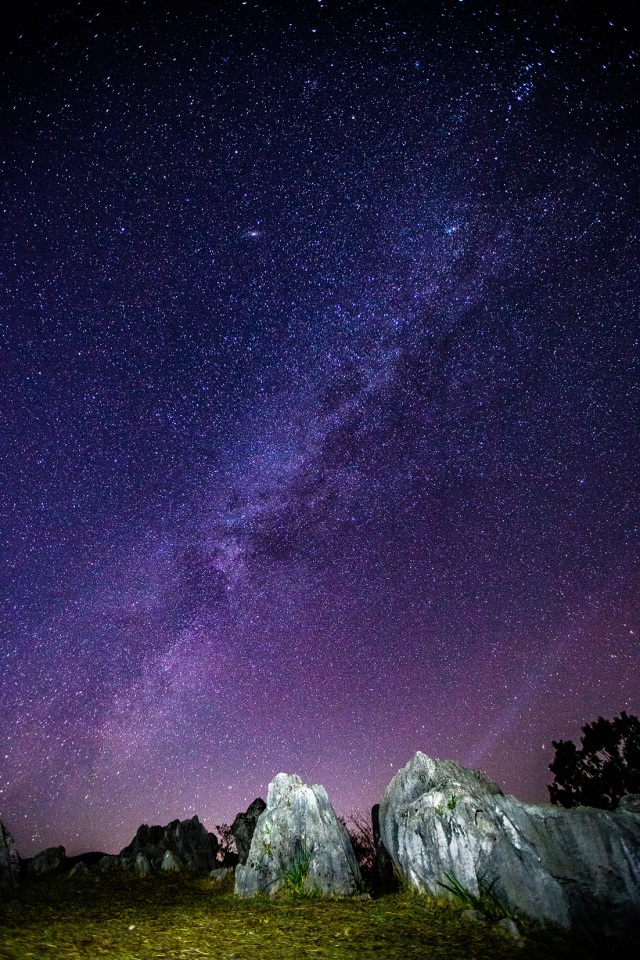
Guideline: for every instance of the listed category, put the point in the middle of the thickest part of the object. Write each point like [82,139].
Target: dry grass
[161,917]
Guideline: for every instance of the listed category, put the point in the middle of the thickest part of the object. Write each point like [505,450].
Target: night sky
[319,399]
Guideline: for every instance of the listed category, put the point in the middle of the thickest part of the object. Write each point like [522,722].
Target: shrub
[603,769]
[360,830]
[226,840]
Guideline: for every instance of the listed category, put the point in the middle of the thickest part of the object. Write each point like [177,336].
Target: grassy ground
[161,917]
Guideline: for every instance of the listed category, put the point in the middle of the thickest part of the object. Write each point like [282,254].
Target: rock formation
[49,861]
[243,828]
[188,841]
[9,859]
[579,868]
[298,840]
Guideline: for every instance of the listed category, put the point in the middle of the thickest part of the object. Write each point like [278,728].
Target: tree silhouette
[605,768]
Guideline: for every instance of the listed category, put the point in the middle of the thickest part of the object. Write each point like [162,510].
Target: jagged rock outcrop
[579,868]
[47,862]
[188,841]
[298,838]
[243,828]
[78,870]
[9,859]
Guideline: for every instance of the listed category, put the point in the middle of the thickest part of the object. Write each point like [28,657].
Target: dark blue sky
[319,400]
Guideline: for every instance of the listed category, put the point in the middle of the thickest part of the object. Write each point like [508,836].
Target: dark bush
[603,769]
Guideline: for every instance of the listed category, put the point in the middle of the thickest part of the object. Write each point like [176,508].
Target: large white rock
[298,827]
[579,868]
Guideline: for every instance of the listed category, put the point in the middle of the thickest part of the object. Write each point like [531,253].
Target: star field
[319,401]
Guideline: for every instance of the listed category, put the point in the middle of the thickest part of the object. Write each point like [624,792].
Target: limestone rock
[509,926]
[187,839]
[220,873]
[109,863]
[243,828]
[298,837]
[9,859]
[171,862]
[475,916]
[579,868]
[141,865]
[630,803]
[80,869]
[49,861]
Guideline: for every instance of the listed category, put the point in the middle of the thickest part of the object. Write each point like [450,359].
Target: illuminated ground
[139,919]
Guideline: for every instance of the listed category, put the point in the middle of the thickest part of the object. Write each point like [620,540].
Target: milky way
[319,395]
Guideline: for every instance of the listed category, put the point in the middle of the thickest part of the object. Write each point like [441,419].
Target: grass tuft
[295,878]
[486,901]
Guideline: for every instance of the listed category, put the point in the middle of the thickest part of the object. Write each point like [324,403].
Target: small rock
[46,862]
[220,873]
[172,862]
[509,926]
[473,915]
[79,870]
[141,865]
[362,896]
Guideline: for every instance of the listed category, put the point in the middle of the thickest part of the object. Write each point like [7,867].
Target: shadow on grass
[129,918]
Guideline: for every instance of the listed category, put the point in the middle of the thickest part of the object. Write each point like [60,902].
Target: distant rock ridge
[579,868]
[189,845]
